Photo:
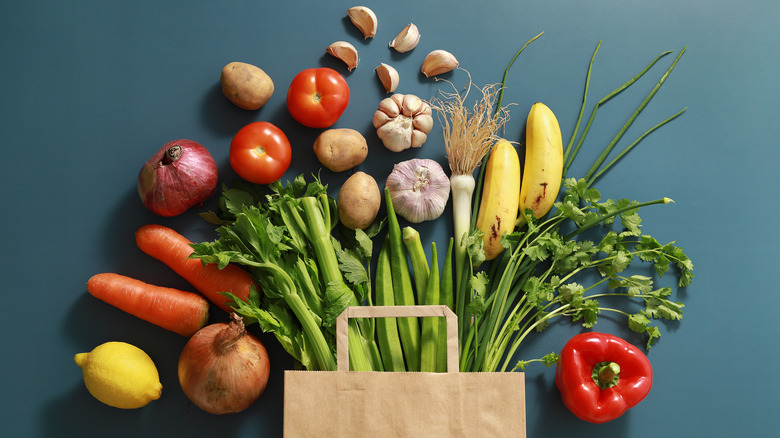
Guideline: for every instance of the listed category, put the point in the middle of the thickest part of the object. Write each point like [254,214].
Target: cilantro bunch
[540,274]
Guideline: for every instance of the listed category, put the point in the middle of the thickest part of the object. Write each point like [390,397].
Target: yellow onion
[223,369]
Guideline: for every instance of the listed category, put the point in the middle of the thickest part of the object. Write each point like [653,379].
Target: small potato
[247,86]
[358,201]
[340,149]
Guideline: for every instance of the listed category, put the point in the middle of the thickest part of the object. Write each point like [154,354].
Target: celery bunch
[305,276]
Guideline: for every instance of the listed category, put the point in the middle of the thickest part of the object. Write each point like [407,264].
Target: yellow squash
[543,168]
[500,196]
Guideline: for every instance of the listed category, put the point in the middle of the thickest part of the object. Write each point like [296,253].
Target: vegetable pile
[535,278]
[289,258]
[285,239]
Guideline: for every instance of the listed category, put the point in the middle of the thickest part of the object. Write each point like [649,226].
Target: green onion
[446,298]
[528,286]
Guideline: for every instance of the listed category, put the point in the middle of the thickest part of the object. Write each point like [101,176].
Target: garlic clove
[423,123]
[418,138]
[389,77]
[411,105]
[380,118]
[438,62]
[394,136]
[398,99]
[419,189]
[407,39]
[345,52]
[390,106]
[364,19]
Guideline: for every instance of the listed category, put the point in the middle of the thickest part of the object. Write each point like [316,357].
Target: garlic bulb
[419,189]
[389,77]
[345,52]
[364,19]
[403,121]
[407,39]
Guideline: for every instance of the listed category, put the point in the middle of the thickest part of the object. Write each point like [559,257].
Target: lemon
[120,375]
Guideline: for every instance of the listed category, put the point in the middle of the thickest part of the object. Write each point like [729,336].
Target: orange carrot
[174,250]
[176,310]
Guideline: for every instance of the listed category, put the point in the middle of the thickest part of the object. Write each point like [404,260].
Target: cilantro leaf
[635,284]
[657,305]
[479,283]
[474,247]
[640,323]
[547,360]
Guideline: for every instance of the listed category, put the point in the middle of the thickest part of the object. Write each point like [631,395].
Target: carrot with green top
[176,310]
[173,249]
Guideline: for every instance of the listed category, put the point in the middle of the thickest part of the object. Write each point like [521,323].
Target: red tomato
[260,153]
[317,97]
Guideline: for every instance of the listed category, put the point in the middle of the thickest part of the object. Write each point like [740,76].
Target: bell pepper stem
[609,372]
[606,374]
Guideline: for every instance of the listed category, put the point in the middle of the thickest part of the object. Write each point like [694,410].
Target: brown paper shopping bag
[346,403]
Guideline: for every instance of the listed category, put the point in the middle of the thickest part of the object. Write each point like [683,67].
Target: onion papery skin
[223,369]
[169,187]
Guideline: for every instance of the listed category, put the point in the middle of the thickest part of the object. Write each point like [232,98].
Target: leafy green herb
[306,277]
[543,272]
[547,360]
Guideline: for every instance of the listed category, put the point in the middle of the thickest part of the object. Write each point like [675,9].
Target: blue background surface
[91,89]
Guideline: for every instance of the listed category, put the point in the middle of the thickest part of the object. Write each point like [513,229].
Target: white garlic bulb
[419,189]
[403,121]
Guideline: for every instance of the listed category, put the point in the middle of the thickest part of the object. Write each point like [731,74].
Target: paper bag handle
[342,328]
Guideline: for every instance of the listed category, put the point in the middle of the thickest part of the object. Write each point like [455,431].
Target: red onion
[181,175]
[222,368]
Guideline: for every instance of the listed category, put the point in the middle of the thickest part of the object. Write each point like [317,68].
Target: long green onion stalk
[534,279]
[468,136]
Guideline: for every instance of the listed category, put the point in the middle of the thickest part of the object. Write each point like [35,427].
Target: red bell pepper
[600,376]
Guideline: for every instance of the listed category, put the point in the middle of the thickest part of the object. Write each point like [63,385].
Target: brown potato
[358,201]
[247,86]
[340,149]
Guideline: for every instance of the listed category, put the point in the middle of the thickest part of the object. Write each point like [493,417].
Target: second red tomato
[317,97]
[260,153]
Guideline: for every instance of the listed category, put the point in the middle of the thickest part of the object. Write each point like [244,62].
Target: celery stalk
[359,356]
